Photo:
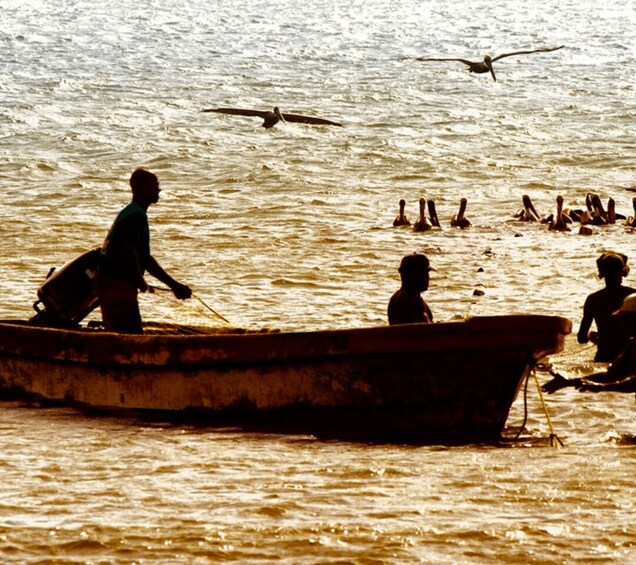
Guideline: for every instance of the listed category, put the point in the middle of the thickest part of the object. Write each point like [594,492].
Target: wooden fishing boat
[418,383]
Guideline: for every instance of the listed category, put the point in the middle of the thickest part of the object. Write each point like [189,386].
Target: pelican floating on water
[272,117]
[485,66]
[401,219]
[630,222]
[559,222]
[432,213]
[599,215]
[611,211]
[458,220]
[528,213]
[612,214]
[422,223]
[588,214]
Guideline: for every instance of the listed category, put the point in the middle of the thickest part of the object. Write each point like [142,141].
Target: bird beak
[492,71]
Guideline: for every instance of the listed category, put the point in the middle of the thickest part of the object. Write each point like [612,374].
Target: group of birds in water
[424,223]
[272,117]
[594,214]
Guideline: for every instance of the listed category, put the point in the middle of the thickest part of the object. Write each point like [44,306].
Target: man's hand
[559,382]
[181,291]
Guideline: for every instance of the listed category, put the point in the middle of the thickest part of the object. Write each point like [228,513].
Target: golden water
[291,228]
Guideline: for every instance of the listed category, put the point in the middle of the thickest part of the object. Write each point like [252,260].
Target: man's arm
[626,385]
[181,291]
[586,322]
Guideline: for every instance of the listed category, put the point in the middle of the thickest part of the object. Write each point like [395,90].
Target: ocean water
[291,228]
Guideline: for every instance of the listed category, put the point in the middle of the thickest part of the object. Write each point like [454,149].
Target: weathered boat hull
[421,383]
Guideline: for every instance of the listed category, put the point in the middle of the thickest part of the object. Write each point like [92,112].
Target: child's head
[612,265]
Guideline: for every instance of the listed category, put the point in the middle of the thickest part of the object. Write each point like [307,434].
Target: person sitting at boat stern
[406,306]
[600,305]
[620,376]
[125,257]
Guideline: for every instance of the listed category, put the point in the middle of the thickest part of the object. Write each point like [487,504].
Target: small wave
[287,282]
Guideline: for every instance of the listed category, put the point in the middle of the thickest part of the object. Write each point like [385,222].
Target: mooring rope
[555,441]
[525,408]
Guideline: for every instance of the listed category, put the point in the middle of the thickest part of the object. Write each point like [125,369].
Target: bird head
[278,114]
[488,63]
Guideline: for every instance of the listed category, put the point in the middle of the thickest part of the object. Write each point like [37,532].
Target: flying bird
[271,118]
[485,66]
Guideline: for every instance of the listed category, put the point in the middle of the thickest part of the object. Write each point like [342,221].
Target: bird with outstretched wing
[485,66]
[271,118]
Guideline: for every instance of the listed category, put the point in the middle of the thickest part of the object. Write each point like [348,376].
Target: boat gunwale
[540,335]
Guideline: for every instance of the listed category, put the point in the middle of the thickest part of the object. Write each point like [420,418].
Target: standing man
[125,257]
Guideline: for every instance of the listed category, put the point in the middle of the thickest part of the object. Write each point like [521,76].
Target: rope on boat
[555,441]
[153,288]
[210,308]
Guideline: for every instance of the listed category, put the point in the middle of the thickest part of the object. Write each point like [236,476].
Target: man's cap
[415,262]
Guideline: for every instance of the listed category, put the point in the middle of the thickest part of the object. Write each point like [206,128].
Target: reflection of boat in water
[418,383]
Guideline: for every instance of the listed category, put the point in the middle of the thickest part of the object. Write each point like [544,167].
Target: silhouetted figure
[125,257]
[406,306]
[620,376]
[600,305]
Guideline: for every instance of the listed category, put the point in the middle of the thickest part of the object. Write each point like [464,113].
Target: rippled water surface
[290,228]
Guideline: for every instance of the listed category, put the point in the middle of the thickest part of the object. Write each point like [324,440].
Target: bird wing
[539,50]
[238,111]
[309,120]
[465,61]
